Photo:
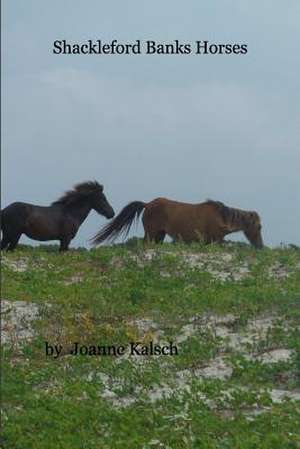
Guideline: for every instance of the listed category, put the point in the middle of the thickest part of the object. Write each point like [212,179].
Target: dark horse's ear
[100,186]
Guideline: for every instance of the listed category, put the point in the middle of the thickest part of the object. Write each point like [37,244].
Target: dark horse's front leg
[64,244]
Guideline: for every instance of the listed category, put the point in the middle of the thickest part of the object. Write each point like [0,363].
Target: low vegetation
[232,312]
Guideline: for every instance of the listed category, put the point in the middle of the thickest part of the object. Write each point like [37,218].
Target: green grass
[100,296]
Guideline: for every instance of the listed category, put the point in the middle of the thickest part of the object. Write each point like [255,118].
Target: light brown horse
[208,222]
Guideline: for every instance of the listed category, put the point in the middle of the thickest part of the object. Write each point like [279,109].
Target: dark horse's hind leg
[4,242]
[13,241]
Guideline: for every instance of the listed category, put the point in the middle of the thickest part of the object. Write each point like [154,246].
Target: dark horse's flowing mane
[79,192]
[235,216]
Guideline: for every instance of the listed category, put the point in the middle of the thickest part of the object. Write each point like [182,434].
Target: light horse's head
[252,229]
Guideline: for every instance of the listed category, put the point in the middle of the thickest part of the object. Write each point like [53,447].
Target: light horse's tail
[121,224]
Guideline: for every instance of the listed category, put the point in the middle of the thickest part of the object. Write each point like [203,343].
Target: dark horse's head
[252,229]
[98,200]
[90,192]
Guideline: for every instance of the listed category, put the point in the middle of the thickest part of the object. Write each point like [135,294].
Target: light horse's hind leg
[147,238]
[157,237]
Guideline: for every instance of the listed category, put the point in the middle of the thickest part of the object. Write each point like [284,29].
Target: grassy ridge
[223,390]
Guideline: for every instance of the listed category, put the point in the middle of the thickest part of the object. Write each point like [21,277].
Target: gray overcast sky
[183,127]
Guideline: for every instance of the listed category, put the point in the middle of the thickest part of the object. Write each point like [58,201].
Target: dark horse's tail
[121,224]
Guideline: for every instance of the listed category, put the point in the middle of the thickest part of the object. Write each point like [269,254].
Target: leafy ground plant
[232,313]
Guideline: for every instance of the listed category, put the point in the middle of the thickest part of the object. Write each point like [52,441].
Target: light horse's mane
[79,192]
[235,216]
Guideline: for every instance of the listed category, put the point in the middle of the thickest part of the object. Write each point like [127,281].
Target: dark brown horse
[60,221]
[208,222]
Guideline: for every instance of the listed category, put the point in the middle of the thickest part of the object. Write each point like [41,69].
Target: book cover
[150,264]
